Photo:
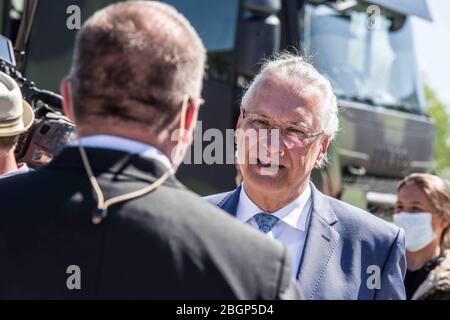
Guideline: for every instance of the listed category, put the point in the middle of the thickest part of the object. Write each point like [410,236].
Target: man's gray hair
[295,68]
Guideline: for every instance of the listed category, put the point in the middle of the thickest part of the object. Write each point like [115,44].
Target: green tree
[438,111]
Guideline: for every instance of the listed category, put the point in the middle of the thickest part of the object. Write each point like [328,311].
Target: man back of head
[134,63]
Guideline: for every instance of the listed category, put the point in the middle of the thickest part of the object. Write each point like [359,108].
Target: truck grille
[373,184]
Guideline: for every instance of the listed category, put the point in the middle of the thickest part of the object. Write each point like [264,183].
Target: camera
[51,130]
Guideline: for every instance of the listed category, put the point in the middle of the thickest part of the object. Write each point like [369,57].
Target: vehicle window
[50,45]
[11,13]
[216,22]
[377,65]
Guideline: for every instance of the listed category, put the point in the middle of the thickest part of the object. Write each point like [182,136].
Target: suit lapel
[230,202]
[321,242]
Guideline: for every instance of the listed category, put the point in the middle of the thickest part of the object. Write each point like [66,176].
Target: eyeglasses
[291,131]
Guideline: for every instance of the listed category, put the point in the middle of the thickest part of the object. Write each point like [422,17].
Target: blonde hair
[438,192]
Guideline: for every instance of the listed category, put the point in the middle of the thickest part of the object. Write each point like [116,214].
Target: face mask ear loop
[441,257]
[101,212]
[441,241]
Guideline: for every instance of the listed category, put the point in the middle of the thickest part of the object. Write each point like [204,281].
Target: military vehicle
[365,48]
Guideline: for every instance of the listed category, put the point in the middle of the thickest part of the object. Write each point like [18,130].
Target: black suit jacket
[166,245]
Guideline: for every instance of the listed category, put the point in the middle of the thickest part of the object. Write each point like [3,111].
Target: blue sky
[432,40]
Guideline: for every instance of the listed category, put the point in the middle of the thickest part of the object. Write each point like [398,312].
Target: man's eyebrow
[260,114]
[299,123]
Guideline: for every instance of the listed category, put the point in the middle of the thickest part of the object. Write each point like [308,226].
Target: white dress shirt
[291,229]
[126,145]
[21,169]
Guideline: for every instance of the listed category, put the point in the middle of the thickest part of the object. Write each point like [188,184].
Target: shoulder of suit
[218,227]
[362,222]
[219,198]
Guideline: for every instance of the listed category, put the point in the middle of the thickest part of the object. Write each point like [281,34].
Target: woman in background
[423,211]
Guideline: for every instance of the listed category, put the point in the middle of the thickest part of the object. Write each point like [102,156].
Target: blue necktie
[265,221]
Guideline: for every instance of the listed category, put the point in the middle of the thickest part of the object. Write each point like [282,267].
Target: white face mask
[418,229]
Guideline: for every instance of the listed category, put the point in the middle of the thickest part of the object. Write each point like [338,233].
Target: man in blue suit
[289,117]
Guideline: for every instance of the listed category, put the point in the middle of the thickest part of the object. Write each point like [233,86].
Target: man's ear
[191,119]
[66,92]
[325,144]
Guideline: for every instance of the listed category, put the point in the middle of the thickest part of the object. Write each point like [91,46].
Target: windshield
[367,62]
[10,15]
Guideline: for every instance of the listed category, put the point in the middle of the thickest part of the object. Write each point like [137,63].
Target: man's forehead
[281,98]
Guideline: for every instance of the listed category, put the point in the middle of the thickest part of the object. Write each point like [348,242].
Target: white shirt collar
[22,168]
[126,145]
[293,213]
